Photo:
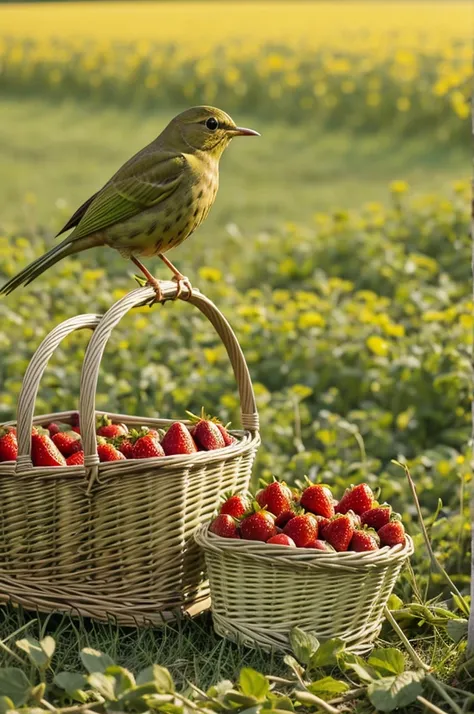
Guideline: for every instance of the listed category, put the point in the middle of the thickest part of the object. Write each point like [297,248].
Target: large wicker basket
[259,592]
[115,539]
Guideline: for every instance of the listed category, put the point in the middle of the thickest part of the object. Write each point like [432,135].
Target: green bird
[155,201]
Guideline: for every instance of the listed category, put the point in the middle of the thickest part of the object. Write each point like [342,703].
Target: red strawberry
[357,498]
[322,523]
[178,440]
[8,445]
[228,438]
[319,545]
[108,452]
[276,498]
[339,532]
[284,517]
[126,447]
[303,529]
[235,506]
[147,447]
[282,539]
[53,428]
[68,442]
[44,451]
[318,499]
[364,540]
[225,526]
[377,517]
[206,433]
[76,429]
[74,419]
[76,459]
[109,430]
[155,433]
[258,526]
[392,533]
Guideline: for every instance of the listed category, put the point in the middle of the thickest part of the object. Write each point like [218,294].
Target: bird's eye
[212,124]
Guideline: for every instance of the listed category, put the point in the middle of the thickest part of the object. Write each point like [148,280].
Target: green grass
[66,151]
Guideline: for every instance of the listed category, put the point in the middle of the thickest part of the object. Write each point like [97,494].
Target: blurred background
[338,246]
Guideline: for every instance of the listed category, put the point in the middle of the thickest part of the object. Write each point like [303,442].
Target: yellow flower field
[358,64]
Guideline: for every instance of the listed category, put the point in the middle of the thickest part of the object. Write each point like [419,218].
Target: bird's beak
[241,131]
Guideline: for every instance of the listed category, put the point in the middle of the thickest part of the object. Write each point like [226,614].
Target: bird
[154,202]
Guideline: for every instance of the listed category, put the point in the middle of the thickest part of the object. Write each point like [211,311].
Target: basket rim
[162,464]
[274,554]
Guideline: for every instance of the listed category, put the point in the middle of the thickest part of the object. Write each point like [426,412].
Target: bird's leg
[151,281]
[179,277]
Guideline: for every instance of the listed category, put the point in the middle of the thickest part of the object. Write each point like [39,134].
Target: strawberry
[109,430]
[8,445]
[235,506]
[155,433]
[76,459]
[44,451]
[76,429]
[108,452]
[392,533]
[284,517]
[356,520]
[74,419]
[125,446]
[377,517]
[68,442]
[147,447]
[303,529]
[357,498]
[178,440]
[364,540]
[258,526]
[319,545]
[276,498]
[322,523]
[318,500]
[228,438]
[206,433]
[282,539]
[53,428]
[225,526]
[339,532]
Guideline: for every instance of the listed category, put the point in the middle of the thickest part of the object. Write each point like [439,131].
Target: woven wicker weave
[259,592]
[115,539]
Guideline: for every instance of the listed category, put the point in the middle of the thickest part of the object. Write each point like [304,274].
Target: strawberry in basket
[8,444]
[209,433]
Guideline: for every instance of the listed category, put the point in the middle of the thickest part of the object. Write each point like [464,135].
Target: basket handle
[96,346]
[32,378]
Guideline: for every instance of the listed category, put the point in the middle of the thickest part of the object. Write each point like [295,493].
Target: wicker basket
[259,592]
[115,539]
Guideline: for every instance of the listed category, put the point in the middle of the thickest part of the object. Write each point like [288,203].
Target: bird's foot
[155,284]
[182,281]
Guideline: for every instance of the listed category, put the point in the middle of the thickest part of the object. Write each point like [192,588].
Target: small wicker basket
[115,539]
[259,592]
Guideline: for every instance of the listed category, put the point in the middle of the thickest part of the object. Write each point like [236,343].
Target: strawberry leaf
[304,645]
[390,693]
[327,687]
[254,684]
[387,661]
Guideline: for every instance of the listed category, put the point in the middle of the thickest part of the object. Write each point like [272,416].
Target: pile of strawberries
[61,444]
[312,518]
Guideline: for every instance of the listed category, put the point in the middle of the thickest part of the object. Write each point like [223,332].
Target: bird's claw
[182,280]
[158,297]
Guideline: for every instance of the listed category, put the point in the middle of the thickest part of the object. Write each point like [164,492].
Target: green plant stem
[434,560]
[429,705]
[306,697]
[11,653]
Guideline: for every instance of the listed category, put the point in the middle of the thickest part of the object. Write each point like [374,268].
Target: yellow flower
[212,275]
[311,319]
[403,104]
[399,187]
[378,346]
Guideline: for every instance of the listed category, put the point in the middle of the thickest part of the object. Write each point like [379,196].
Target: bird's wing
[76,217]
[139,185]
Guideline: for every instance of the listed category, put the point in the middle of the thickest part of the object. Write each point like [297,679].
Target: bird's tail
[41,264]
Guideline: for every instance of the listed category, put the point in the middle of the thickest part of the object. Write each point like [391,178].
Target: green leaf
[394,602]
[461,604]
[124,680]
[254,684]
[95,661]
[242,700]
[34,651]
[103,684]
[327,687]
[294,665]
[6,705]
[387,661]
[389,693]
[15,685]
[279,703]
[48,645]
[349,660]
[457,629]
[159,676]
[328,653]
[73,684]
[304,644]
